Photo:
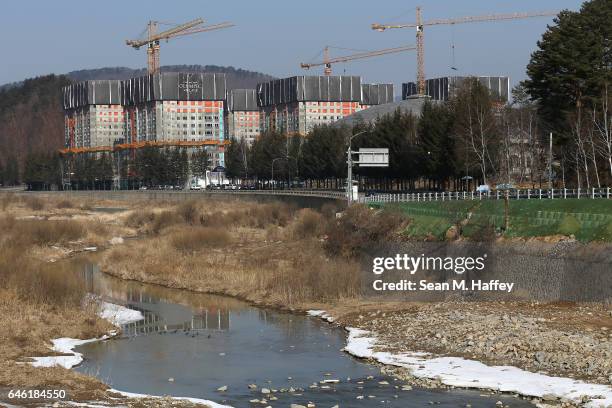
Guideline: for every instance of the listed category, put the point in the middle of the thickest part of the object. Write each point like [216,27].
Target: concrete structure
[167,109]
[445,88]
[174,107]
[296,105]
[242,118]
[93,115]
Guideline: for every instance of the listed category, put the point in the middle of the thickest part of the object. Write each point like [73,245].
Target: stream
[189,345]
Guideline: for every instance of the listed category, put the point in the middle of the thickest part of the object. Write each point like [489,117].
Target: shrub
[360,228]
[163,220]
[139,218]
[34,203]
[193,239]
[308,223]
[65,204]
[569,225]
[188,211]
[44,232]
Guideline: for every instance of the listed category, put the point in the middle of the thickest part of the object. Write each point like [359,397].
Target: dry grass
[360,228]
[64,204]
[191,239]
[45,232]
[268,253]
[7,199]
[34,203]
[308,223]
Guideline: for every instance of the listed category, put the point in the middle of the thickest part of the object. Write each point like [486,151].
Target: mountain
[236,78]
[31,117]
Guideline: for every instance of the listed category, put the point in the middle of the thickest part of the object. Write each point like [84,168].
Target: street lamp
[349,168]
[273,160]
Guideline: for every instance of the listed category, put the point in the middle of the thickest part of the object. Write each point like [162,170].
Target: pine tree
[573,62]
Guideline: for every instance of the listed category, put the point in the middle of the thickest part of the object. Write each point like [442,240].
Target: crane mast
[420,33]
[328,62]
[153,38]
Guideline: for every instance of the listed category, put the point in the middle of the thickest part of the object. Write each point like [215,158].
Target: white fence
[528,194]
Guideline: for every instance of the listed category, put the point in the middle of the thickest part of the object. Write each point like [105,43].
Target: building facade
[167,109]
[93,114]
[174,107]
[296,105]
[445,88]
[242,119]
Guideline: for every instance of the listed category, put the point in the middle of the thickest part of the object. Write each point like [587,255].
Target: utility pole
[349,169]
[349,177]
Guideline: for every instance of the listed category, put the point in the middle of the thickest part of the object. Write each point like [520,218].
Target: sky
[271,36]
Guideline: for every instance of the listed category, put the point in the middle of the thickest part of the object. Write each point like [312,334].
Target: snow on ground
[322,314]
[118,315]
[64,345]
[193,400]
[460,372]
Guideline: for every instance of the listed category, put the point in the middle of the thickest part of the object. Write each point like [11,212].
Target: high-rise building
[174,107]
[93,114]
[445,88]
[296,105]
[242,119]
[167,109]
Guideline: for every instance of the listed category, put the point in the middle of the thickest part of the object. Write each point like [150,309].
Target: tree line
[148,167]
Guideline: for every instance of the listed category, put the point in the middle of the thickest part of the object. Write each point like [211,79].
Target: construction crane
[327,61]
[420,25]
[153,38]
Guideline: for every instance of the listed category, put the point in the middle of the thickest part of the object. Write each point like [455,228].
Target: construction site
[197,111]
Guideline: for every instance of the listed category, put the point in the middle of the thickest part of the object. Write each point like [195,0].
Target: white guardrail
[528,194]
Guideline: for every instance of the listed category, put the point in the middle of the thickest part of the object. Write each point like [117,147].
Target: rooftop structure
[242,115]
[93,114]
[295,105]
[445,88]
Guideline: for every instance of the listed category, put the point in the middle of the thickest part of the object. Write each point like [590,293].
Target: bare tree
[602,123]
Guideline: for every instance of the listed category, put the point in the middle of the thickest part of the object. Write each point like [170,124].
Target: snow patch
[66,346]
[118,315]
[193,400]
[460,372]
[322,314]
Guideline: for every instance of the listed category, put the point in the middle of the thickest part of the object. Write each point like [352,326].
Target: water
[204,342]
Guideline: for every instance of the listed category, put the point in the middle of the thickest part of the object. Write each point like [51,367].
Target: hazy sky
[271,36]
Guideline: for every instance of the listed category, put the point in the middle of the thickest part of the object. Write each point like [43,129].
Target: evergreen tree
[236,159]
[573,62]
[436,142]
[199,163]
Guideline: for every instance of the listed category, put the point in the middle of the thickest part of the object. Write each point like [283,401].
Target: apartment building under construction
[167,109]
[242,115]
[94,114]
[297,104]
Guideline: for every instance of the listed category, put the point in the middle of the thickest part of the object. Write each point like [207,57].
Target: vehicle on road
[483,188]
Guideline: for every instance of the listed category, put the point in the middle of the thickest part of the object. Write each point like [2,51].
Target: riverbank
[271,263]
[278,256]
[44,306]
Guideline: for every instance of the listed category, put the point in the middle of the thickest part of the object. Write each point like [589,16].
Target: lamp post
[349,169]
[273,160]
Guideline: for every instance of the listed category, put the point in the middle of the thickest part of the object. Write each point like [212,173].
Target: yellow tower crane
[327,61]
[153,38]
[419,25]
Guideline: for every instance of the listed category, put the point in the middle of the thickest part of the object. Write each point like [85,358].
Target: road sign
[373,157]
